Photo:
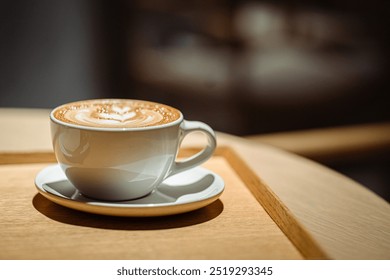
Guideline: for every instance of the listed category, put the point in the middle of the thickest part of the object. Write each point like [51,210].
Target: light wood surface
[233,227]
[334,143]
[344,218]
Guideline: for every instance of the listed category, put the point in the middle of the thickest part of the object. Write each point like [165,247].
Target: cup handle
[186,127]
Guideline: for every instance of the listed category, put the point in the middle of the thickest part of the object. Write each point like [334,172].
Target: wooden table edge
[250,153]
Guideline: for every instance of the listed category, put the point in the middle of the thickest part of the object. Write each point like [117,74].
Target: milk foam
[116,113]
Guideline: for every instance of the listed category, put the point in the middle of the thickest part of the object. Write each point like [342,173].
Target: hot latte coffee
[116,113]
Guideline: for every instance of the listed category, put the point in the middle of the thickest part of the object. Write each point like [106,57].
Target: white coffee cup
[116,163]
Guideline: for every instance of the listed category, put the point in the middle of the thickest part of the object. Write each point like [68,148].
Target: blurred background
[244,67]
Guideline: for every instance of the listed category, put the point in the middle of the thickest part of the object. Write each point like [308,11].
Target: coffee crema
[116,113]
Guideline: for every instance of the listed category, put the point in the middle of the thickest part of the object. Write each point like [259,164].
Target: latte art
[116,113]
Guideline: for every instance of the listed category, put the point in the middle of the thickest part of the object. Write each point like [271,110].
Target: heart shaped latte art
[117,113]
[116,117]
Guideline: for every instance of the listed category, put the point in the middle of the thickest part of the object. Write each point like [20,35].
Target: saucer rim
[112,208]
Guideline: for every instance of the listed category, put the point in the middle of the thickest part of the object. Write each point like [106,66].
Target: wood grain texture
[346,219]
[282,216]
[343,217]
[233,227]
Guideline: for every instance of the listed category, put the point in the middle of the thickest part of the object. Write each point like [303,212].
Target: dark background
[244,67]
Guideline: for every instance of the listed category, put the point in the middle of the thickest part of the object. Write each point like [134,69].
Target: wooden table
[276,205]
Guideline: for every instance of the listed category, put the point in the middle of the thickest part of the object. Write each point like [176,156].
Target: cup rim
[117,129]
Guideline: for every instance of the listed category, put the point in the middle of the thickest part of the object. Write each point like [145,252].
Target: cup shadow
[74,217]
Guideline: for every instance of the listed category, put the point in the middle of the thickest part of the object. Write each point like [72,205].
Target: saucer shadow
[74,217]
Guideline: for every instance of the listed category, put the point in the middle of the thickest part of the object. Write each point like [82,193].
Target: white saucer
[184,192]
